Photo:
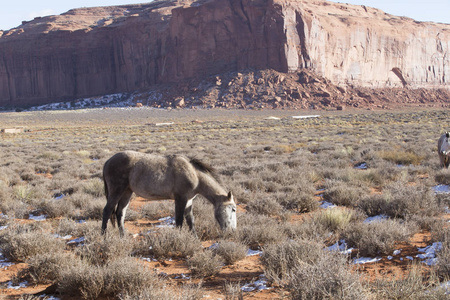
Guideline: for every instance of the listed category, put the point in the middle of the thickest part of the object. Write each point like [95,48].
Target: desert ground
[331,205]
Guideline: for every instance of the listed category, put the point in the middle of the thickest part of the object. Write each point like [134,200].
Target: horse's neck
[210,188]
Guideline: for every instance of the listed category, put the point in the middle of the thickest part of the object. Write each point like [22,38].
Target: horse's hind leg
[113,198]
[121,210]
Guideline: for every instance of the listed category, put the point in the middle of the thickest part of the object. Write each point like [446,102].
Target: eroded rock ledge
[95,51]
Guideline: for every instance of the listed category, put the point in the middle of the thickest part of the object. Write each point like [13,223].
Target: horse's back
[157,176]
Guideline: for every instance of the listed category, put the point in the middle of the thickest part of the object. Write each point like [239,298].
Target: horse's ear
[230,196]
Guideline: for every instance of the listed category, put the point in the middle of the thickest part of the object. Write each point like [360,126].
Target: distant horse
[444,150]
[163,177]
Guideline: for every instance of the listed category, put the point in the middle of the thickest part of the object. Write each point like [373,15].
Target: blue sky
[13,12]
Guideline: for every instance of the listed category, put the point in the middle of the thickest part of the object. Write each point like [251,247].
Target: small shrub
[299,201]
[127,276]
[47,267]
[374,205]
[377,237]
[205,264]
[101,249]
[23,193]
[401,157]
[443,176]
[172,243]
[14,208]
[442,266]
[161,291]
[20,244]
[94,187]
[56,208]
[403,200]
[82,280]
[67,227]
[335,220]
[309,229]
[257,230]
[265,206]
[233,291]
[94,209]
[230,251]
[326,278]
[342,193]
[413,286]
[279,260]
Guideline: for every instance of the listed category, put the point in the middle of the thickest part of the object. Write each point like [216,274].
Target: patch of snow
[113,100]
[260,284]
[166,222]
[446,287]
[77,241]
[3,227]
[375,219]
[16,287]
[410,257]
[361,166]
[149,259]
[429,253]
[325,204]
[340,246]
[365,260]
[441,189]
[59,197]
[3,216]
[397,252]
[49,297]
[305,117]
[164,124]
[37,218]
[214,246]
[182,276]
[66,237]
[81,221]
[5,264]
[251,252]
[390,257]
[272,118]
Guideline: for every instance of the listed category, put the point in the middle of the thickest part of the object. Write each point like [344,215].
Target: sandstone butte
[103,50]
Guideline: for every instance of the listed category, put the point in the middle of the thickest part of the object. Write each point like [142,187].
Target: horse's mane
[204,167]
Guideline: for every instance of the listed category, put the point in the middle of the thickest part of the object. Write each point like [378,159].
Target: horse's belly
[157,193]
[153,196]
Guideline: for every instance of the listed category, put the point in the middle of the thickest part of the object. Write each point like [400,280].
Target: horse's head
[225,213]
[444,147]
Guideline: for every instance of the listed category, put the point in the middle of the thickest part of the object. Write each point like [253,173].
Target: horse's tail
[113,214]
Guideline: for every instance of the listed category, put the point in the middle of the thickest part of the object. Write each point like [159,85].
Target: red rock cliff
[95,51]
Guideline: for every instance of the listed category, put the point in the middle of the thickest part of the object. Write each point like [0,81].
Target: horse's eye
[233,209]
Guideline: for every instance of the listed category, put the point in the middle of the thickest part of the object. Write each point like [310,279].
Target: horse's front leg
[189,215]
[180,206]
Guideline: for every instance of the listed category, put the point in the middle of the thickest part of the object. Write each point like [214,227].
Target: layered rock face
[95,51]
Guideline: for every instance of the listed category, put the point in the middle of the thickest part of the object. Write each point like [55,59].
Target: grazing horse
[163,177]
[444,150]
